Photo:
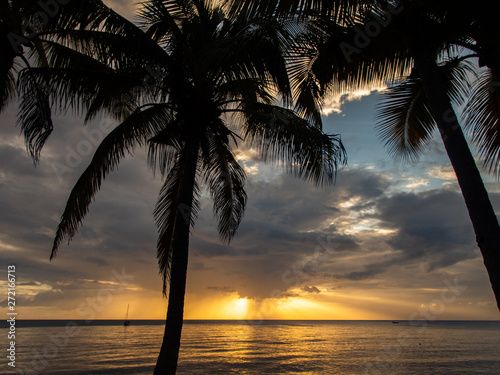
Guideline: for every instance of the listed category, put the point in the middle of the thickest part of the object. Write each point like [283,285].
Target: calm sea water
[273,347]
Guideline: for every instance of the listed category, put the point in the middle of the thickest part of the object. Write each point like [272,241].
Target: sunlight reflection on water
[298,347]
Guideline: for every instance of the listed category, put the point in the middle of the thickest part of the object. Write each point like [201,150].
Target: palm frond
[246,90]
[34,115]
[113,50]
[93,15]
[336,10]
[252,50]
[7,59]
[302,148]
[309,96]
[164,147]
[404,120]
[456,74]
[165,216]
[162,19]
[341,64]
[169,209]
[482,119]
[225,179]
[90,90]
[7,82]
[135,130]
[265,46]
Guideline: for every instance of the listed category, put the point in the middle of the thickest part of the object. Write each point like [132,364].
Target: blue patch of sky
[356,125]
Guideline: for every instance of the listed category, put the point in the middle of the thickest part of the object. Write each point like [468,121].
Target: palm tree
[217,82]
[421,49]
[427,95]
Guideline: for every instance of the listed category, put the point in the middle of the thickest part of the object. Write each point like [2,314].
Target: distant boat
[395,322]
[126,322]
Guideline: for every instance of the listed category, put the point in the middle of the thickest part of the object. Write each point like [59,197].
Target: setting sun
[240,308]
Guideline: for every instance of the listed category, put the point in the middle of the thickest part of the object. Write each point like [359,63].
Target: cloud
[311,289]
[223,289]
[432,229]
[444,172]
[416,183]
[333,103]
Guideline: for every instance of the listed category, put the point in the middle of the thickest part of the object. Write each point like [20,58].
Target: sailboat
[126,322]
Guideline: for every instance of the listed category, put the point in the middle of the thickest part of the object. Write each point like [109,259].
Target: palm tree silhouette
[27,33]
[15,21]
[192,86]
[422,49]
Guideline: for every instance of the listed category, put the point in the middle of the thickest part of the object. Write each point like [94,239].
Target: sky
[389,240]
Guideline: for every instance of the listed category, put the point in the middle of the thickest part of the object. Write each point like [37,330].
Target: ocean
[256,348]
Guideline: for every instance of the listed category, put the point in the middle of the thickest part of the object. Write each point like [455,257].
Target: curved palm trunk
[169,352]
[478,204]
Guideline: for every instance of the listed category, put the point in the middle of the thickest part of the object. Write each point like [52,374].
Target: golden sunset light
[249,187]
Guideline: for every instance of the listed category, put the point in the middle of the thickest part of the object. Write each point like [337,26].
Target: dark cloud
[48,298]
[223,289]
[363,183]
[432,229]
[14,161]
[311,289]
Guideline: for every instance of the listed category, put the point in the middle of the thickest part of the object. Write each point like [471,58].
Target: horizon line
[271,320]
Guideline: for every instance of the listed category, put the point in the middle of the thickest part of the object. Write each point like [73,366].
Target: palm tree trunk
[169,352]
[478,204]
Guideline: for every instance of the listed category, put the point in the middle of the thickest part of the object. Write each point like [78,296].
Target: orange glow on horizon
[233,307]
[150,305]
[327,305]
